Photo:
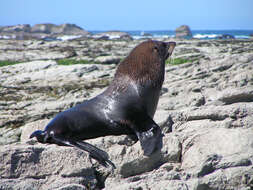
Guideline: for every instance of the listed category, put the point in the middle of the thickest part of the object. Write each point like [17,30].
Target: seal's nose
[170,48]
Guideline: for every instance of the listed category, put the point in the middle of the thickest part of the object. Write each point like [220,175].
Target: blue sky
[131,14]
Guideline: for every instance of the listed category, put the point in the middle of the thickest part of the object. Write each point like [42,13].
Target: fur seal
[126,107]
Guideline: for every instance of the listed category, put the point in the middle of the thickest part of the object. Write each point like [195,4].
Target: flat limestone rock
[205,111]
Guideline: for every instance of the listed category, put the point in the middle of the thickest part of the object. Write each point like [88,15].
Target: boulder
[183,32]
[45,167]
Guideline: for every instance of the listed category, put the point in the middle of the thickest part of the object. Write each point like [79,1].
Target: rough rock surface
[205,111]
[183,31]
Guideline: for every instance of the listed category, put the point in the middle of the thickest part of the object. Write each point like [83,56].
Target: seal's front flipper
[94,152]
[151,140]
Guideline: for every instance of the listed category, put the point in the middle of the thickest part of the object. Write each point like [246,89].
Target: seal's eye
[155,49]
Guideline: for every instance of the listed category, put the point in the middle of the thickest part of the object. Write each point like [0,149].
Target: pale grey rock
[45,167]
[9,135]
[135,163]
[230,178]
[107,59]
[216,149]
[51,166]
[205,111]
[73,187]
[150,184]
[230,96]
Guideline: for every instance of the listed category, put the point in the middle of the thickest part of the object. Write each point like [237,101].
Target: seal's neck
[142,70]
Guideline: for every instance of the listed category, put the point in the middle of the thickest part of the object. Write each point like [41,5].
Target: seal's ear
[151,140]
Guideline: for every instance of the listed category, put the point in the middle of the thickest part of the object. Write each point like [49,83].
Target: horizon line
[192,29]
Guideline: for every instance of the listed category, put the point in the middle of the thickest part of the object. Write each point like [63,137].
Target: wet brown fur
[143,65]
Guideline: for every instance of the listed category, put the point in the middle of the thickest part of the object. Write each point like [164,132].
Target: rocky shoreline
[205,111]
[52,32]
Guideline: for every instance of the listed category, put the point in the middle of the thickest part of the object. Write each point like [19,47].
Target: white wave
[68,37]
[111,37]
[161,36]
[242,36]
[8,37]
[137,37]
[4,37]
[141,37]
[205,36]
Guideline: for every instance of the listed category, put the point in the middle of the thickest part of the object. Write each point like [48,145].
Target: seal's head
[146,61]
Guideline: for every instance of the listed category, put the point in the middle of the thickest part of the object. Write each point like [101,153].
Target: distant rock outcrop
[41,31]
[183,32]
[15,28]
[42,28]
[67,29]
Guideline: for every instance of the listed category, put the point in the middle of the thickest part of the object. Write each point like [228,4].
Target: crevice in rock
[241,163]
[38,177]
[79,173]
[181,153]
[203,187]
[167,126]
[213,117]
[101,178]
[222,68]
[209,165]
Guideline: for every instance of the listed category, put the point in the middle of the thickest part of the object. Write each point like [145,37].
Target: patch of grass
[178,61]
[7,62]
[73,62]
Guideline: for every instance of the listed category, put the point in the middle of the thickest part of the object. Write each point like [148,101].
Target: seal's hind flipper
[151,140]
[94,152]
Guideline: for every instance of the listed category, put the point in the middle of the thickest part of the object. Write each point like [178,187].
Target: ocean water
[199,34]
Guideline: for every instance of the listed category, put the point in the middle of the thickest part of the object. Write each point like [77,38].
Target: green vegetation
[73,62]
[178,61]
[5,63]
